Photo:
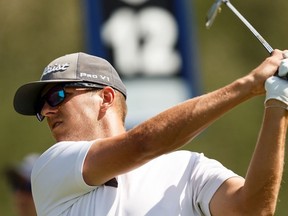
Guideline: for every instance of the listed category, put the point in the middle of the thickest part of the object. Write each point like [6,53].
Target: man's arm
[257,195]
[172,128]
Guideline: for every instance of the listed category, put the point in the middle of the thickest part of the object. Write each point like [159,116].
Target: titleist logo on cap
[55,68]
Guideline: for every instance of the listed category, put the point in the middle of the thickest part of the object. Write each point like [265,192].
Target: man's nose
[48,110]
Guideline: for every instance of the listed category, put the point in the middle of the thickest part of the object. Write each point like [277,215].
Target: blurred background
[33,33]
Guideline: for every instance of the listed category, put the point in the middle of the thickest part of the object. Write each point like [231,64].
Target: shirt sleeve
[207,177]
[57,178]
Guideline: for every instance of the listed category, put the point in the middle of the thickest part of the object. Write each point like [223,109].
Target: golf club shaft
[251,28]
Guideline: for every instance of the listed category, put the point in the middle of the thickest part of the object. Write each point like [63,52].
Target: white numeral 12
[143,42]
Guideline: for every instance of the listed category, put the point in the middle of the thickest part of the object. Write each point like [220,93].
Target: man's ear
[108,95]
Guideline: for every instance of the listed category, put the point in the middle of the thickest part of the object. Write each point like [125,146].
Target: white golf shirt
[178,183]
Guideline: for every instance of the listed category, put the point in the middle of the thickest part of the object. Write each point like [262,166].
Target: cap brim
[25,99]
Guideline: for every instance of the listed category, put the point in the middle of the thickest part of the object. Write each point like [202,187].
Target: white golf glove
[283,68]
[276,88]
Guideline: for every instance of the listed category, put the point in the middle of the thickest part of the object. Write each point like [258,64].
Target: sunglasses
[57,94]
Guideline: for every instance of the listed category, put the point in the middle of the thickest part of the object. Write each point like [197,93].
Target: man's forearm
[265,171]
[173,128]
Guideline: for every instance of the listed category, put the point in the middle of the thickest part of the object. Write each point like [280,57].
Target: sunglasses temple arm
[250,27]
[39,117]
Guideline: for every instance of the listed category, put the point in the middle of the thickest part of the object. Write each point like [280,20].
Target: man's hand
[265,70]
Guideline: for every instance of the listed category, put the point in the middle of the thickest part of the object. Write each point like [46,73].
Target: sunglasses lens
[53,97]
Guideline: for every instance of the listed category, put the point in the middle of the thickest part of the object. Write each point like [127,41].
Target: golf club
[216,7]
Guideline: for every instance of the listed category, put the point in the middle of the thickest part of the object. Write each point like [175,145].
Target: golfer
[98,168]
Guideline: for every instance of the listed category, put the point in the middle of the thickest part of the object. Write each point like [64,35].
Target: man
[98,168]
[18,178]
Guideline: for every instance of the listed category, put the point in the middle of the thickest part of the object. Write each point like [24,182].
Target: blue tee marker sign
[152,45]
